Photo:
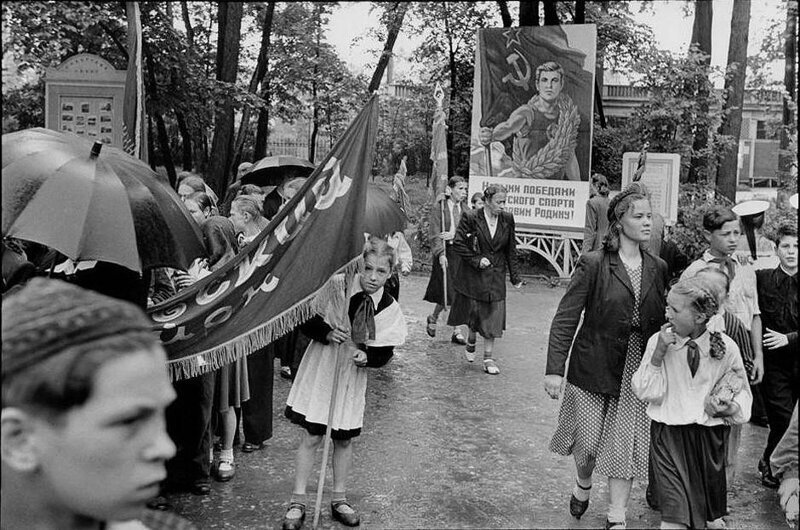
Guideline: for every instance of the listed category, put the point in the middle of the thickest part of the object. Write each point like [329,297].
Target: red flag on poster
[282,277]
[133,111]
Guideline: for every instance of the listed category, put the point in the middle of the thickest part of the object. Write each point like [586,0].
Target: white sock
[226,454]
[580,493]
[616,514]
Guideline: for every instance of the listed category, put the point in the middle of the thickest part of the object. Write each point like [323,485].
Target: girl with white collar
[694,382]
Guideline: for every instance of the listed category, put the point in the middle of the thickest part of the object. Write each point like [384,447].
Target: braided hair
[704,300]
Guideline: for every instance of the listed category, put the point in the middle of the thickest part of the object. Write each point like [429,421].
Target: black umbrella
[273,170]
[92,202]
[382,215]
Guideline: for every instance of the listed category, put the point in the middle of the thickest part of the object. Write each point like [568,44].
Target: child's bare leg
[304,462]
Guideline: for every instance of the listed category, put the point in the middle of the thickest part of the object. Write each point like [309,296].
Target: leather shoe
[767,478]
[294,523]
[346,518]
[159,502]
[458,338]
[224,471]
[430,327]
[200,487]
[615,526]
[248,447]
[576,507]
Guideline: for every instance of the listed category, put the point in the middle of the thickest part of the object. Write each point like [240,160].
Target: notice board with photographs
[84,96]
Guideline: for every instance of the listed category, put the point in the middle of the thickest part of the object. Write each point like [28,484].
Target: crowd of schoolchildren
[656,364]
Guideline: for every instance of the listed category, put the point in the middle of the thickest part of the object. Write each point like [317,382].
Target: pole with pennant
[133,111]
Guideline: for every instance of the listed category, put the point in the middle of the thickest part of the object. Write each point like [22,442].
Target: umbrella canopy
[382,216]
[273,170]
[92,202]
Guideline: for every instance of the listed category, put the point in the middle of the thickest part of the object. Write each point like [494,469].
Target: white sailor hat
[753,207]
[793,201]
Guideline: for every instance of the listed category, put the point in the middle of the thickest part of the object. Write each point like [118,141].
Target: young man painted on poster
[545,130]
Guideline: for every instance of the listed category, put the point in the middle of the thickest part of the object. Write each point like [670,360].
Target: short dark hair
[454,181]
[716,216]
[475,197]
[786,229]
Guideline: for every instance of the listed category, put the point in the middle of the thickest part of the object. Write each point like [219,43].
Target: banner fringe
[260,337]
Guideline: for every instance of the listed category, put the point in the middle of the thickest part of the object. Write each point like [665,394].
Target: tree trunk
[262,128]
[701,35]
[163,139]
[312,143]
[550,13]
[187,22]
[529,12]
[734,97]
[399,12]
[186,142]
[580,12]
[787,160]
[219,169]
[258,76]
[505,15]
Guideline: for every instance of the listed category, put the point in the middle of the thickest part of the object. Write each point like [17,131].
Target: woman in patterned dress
[620,290]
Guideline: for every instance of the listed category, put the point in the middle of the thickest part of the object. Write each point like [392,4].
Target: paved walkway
[448,446]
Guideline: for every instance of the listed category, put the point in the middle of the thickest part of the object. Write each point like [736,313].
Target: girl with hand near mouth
[694,382]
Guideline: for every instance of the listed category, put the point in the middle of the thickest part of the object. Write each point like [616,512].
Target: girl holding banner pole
[328,396]
[444,219]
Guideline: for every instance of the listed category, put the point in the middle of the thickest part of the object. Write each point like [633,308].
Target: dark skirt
[435,291]
[487,318]
[689,466]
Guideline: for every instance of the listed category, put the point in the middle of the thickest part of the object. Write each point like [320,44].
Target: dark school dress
[434,293]
[481,293]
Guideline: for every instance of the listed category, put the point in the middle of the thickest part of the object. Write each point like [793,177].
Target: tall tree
[550,13]
[396,14]
[734,97]
[787,157]
[219,168]
[528,12]
[505,14]
[701,39]
[580,12]
[265,15]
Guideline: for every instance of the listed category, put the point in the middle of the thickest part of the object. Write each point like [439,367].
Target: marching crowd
[656,364]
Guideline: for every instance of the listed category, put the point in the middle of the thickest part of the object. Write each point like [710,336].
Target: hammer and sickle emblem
[520,80]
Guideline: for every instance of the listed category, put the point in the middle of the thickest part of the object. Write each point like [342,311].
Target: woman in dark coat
[486,242]
[620,290]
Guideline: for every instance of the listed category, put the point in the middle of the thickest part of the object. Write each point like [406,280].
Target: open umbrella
[92,202]
[273,170]
[382,216]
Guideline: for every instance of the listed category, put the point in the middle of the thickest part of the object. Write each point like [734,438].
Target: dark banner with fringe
[282,277]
